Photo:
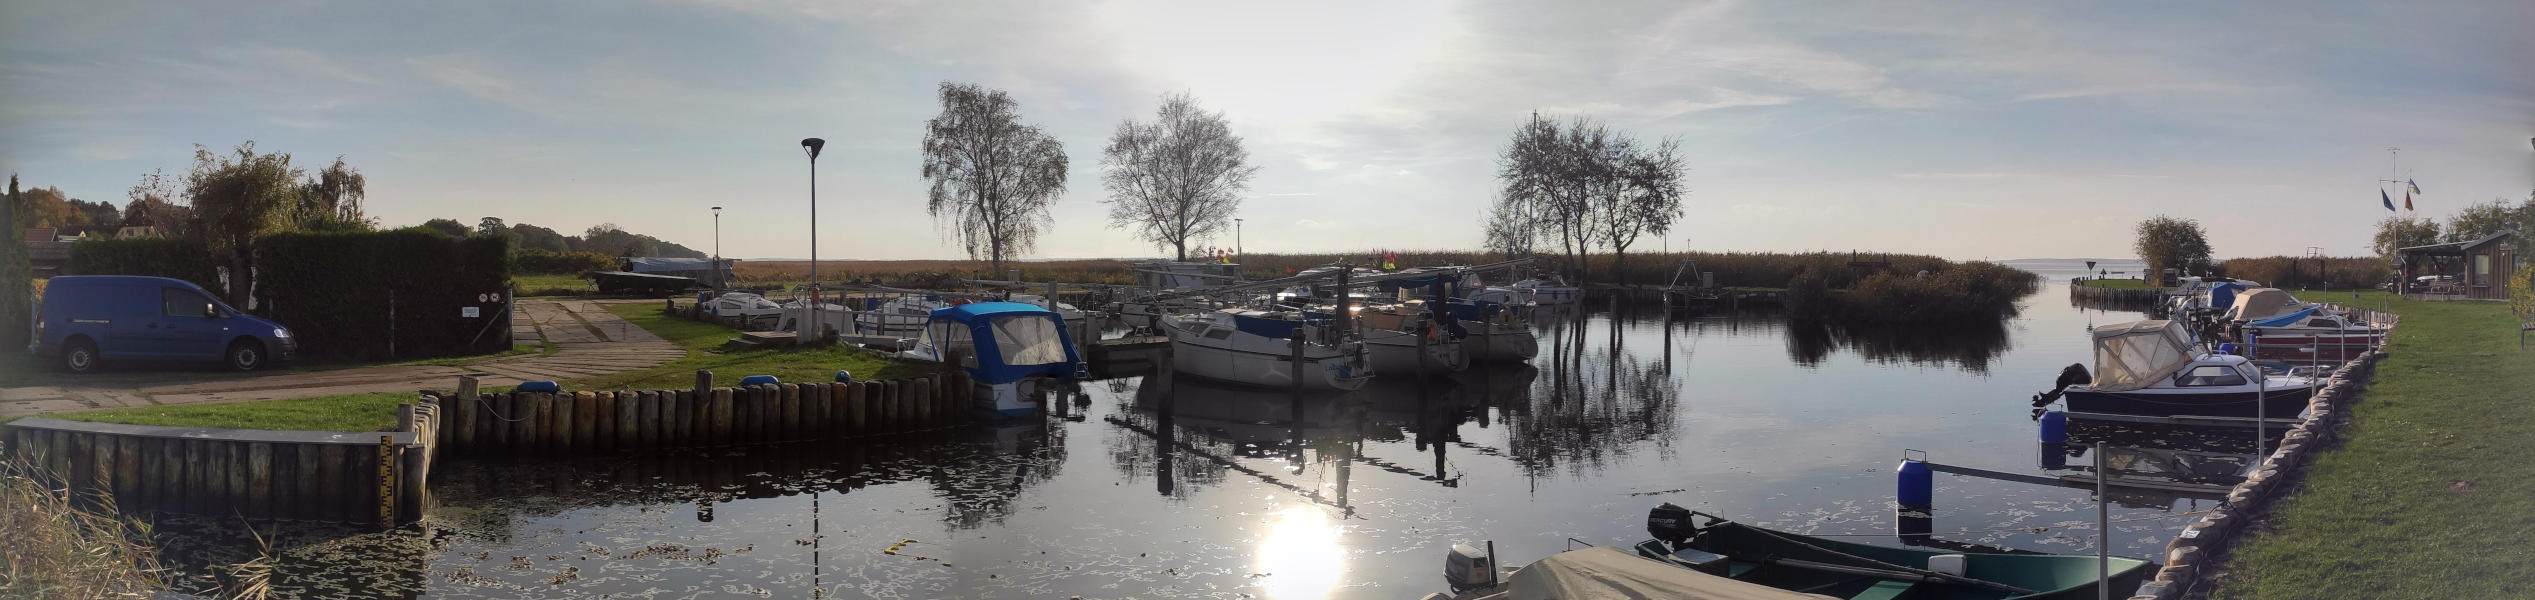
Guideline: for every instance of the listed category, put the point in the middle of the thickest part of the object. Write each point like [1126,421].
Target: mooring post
[1294,370]
[2103,529]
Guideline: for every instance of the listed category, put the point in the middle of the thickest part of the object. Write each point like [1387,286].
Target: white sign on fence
[470,312]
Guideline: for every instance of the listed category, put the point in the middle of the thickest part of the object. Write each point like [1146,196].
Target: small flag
[2389,200]
[2407,202]
[2416,188]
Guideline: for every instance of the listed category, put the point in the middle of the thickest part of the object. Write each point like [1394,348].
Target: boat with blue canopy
[1014,353]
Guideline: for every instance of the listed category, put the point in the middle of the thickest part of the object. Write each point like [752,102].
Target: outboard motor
[2073,375]
[1671,524]
[1468,569]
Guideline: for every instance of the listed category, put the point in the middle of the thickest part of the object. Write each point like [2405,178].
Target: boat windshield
[1029,340]
[946,336]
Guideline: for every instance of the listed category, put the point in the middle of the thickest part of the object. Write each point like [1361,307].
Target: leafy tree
[1178,178]
[992,176]
[491,226]
[99,213]
[2168,242]
[239,198]
[447,227]
[331,201]
[2522,292]
[540,238]
[1580,186]
[2476,221]
[49,207]
[2396,233]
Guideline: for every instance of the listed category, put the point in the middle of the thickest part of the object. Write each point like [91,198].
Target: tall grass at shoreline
[57,548]
[1733,269]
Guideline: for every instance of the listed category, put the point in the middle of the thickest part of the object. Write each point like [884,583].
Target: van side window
[183,303]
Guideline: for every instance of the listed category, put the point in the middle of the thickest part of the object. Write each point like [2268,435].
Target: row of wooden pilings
[368,478]
[585,422]
[378,478]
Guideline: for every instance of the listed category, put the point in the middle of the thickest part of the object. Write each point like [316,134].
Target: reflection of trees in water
[1598,402]
[1967,346]
[1188,435]
[1026,452]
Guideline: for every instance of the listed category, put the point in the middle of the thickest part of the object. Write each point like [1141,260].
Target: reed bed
[61,546]
[1732,269]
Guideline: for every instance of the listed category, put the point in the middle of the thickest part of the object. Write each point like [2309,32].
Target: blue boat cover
[1034,334]
[2224,294]
[2287,319]
[1268,327]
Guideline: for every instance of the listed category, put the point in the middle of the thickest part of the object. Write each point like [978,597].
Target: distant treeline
[2330,272]
[1838,270]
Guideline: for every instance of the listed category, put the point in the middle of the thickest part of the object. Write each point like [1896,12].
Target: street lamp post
[809,327]
[718,283]
[1236,238]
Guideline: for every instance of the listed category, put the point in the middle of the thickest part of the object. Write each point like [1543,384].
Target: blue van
[88,319]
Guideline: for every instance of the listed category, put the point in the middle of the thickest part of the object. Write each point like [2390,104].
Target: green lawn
[357,412]
[703,342]
[2118,284]
[2430,495]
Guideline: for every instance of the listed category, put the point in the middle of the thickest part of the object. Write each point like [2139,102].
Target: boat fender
[546,386]
[844,376]
[2054,428]
[1914,484]
[757,379]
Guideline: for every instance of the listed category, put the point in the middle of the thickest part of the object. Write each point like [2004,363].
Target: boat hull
[2276,404]
[1323,368]
[1396,353]
[1500,342]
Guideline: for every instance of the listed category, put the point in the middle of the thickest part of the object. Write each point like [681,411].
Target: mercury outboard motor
[1671,524]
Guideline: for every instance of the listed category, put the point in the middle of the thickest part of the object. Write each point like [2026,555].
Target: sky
[1963,129]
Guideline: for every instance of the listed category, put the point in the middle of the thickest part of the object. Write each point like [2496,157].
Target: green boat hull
[1794,562]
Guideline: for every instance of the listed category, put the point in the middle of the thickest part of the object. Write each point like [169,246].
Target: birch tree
[992,176]
[1178,178]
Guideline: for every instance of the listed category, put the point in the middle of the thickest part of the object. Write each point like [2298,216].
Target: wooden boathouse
[2468,270]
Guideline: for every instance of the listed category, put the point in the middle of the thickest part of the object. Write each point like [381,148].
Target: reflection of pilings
[1235,466]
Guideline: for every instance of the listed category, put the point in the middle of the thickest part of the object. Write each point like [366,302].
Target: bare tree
[1178,178]
[1580,185]
[992,176]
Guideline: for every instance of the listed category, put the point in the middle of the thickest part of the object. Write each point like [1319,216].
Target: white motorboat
[1015,353]
[829,316]
[903,316]
[750,311]
[1493,332]
[1548,288]
[1252,347]
[2150,371]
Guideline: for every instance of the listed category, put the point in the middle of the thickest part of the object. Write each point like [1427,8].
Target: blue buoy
[1914,485]
[2054,428]
[2227,348]
[844,376]
[538,386]
[758,379]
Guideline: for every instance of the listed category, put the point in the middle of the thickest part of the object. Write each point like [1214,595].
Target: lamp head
[812,146]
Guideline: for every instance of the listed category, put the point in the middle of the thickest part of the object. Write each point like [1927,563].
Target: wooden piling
[857,407]
[585,412]
[788,414]
[603,421]
[921,391]
[894,407]
[196,477]
[721,417]
[547,430]
[655,413]
[463,414]
[333,488]
[237,476]
[814,410]
[309,477]
[681,418]
[285,486]
[259,481]
[629,410]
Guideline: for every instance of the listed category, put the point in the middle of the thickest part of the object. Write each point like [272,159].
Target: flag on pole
[2407,202]
[2416,188]
[2389,200]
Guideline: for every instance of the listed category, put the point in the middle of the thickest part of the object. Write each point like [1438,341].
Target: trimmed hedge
[173,258]
[547,262]
[335,291]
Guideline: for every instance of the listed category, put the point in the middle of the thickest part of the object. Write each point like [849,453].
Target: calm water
[1153,488]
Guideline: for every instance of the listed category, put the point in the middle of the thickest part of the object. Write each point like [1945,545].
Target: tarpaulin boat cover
[1606,573]
[2263,303]
[2224,294]
[2132,355]
[2287,319]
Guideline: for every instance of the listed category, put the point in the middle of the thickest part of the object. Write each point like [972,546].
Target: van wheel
[80,356]
[245,355]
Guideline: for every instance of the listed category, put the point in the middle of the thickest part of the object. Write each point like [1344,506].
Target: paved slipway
[589,341]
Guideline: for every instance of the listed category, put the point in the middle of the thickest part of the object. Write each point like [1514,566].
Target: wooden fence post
[857,407]
[789,414]
[721,417]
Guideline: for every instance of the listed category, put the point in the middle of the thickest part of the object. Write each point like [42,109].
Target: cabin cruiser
[1494,332]
[829,316]
[1015,354]
[2150,371]
[1391,339]
[1548,288]
[2199,297]
[751,311]
[2279,326]
[1252,347]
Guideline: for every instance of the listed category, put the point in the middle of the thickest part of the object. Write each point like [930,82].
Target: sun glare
[1300,559]
[1279,62]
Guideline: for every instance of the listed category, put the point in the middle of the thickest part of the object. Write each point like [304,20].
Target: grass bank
[2430,494]
[703,343]
[353,412]
[554,285]
[2118,284]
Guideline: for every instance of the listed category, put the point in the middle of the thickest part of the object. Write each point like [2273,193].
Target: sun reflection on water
[1300,559]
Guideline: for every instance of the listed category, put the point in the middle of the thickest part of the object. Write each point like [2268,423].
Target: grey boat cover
[2132,355]
[1605,573]
[2263,303]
